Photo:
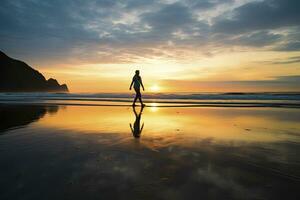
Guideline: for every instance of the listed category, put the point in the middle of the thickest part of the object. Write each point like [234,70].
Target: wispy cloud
[278,83]
[290,60]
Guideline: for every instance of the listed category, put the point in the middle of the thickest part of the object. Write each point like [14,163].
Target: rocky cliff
[17,76]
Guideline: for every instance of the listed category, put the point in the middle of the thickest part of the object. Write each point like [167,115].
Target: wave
[174,96]
[289,100]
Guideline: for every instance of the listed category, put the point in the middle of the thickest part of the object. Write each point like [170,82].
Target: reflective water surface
[92,152]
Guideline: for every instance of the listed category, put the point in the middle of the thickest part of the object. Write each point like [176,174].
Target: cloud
[206,4]
[256,39]
[260,15]
[288,79]
[289,46]
[290,60]
[169,18]
[102,31]
[258,18]
[277,83]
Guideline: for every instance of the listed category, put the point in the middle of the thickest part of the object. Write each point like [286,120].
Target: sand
[102,152]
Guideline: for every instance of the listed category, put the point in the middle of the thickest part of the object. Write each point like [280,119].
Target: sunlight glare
[153,107]
[154,88]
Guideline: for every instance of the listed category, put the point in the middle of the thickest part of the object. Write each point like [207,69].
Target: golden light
[154,88]
[153,107]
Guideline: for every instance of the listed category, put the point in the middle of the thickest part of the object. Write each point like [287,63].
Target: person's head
[137,72]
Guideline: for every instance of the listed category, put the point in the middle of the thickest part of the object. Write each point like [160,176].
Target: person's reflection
[137,130]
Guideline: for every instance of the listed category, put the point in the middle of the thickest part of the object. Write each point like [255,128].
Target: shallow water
[92,152]
[288,99]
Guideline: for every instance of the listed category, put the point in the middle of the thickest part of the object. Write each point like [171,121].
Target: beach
[79,151]
[150,100]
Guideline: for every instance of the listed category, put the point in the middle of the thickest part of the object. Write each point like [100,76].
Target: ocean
[288,99]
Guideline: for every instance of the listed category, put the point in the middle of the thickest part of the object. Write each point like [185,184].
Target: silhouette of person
[137,82]
[137,130]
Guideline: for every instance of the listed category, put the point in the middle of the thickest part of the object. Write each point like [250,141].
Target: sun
[154,88]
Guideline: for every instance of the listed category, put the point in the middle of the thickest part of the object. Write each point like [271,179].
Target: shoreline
[163,104]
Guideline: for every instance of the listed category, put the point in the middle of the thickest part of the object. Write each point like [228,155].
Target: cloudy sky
[186,45]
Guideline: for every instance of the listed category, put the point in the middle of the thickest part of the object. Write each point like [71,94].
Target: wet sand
[107,152]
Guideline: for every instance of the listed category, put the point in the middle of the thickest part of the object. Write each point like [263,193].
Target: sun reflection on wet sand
[153,107]
[183,126]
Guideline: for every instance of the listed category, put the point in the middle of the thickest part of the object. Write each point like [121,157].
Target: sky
[178,45]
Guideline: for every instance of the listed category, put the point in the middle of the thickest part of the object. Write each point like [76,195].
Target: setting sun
[154,88]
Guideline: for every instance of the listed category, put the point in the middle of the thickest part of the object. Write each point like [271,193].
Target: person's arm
[131,85]
[142,84]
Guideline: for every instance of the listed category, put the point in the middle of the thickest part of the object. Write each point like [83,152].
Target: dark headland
[17,76]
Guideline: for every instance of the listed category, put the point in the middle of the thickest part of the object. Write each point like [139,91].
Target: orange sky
[228,72]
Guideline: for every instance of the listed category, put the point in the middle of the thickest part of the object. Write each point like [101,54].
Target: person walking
[137,83]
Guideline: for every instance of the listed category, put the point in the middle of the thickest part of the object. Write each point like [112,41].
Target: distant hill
[17,76]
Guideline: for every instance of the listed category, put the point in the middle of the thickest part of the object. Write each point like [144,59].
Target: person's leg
[135,98]
[139,95]
[141,101]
